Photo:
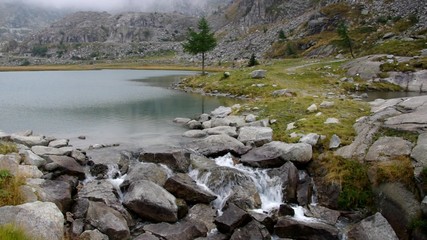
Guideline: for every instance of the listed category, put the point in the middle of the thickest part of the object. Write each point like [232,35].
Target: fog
[115,5]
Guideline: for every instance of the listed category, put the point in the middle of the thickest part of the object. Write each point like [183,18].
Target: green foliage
[7,147]
[409,136]
[200,42]
[399,169]
[398,48]
[39,50]
[282,35]
[11,232]
[253,61]
[9,189]
[396,67]
[345,38]
[25,63]
[383,19]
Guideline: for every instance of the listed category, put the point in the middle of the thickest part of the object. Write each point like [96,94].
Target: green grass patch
[10,193]
[11,232]
[398,48]
[399,169]
[409,136]
[7,147]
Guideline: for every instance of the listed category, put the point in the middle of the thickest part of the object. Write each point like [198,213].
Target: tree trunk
[203,63]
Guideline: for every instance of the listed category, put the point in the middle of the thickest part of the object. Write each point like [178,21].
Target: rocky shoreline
[232,181]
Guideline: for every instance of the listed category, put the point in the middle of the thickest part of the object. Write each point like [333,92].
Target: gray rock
[30,141]
[366,67]
[326,104]
[288,227]
[259,123]
[311,138]
[399,206]
[207,124]
[335,142]
[99,190]
[218,145]
[250,118]
[227,130]
[93,235]
[28,171]
[179,231]
[10,162]
[79,156]
[28,193]
[329,216]
[146,171]
[68,165]
[374,227]
[288,175]
[389,35]
[146,236]
[150,201]
[181,121]
[108,221]
[46,151]
[58,192]
[4,136]
[332,121]
[32,159]
[41,220]
[175,158]
[204,117]
[184,187]
[258,74]
[232,218]
[305,188]
[419,153]
[282,92]
[202,213]
[59,143]
[195,134]
[251,231]
[386,148]
[257,135]
[285,210]
[221,112]
[193,124]
[312,108]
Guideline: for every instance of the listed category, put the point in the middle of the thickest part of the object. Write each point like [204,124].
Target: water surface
[107,106]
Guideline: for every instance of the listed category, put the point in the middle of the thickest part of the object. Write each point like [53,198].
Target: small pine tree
[253,61]
[282,35]
[345,38]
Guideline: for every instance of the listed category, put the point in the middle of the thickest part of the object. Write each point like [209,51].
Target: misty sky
[108,5]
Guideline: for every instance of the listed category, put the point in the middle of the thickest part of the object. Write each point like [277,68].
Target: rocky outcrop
[374,227]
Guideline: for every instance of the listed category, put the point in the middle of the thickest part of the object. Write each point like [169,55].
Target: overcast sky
[108,5]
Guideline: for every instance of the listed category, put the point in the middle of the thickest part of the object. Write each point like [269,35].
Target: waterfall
[115,177]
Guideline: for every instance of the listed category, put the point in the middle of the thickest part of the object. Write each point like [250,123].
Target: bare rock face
[150,201]
[386,148]
[38,219]
[374,227]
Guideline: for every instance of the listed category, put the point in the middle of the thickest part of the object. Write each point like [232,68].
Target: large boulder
[30,140]
[58,192]
[386,148]
[146,171]
[48,151]
[232,218]
[184,230]
[150,201]
[258,74]
[221,112]
[218,145]
[288,227]
[202,213]
[108,221]
[251,231]
[175,158]
[374,227]
[59,143]
[31,158]
[40,220]
[399,206]
[227,130]
[419,153]
[182,186]
[99,190]
[256,135]
[288,174]
[68,165]
[10,162]
[366,67]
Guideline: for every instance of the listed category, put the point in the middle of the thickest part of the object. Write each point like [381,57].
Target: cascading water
[116,179]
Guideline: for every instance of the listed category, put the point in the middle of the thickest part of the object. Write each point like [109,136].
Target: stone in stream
[327,215]
[68,165]
[175,158]
[251,231]
[183,230]
[108,221]
[304,189]
[288,174]
[150,201]
[40,220]
[232,218]
[288,227]
[218,145]
[268,220]
[257,135]
[182,186]
[286,210]
[374,227]
[145,171]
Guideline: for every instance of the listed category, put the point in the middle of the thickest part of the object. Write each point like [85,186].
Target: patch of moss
[7,147]
[399,169]
[409,136]
[397,67]
[11,232]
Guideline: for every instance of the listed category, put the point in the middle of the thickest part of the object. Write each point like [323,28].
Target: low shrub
[10,193]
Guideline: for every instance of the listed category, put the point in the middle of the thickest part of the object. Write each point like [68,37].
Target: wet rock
[288,227]
[386,148]
[218,145]
[99,170]
[399,206]
[232,218]
[58,192]
[266,156]
[227,130]
[37,219]
[175,158]
[288,174]
[304,189]
[257,135]
[145,171]
[68,165]
[265,219]
[327,215]
[182,207]
[182,186]
[59,143]
[30,141]
[258,74]
[286,210]
[179,231]
[374,227]
[150,201]
[221,112]
[107,220]
[251,231]
[202,213]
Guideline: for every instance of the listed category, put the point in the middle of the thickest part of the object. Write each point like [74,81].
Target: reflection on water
[107,106]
